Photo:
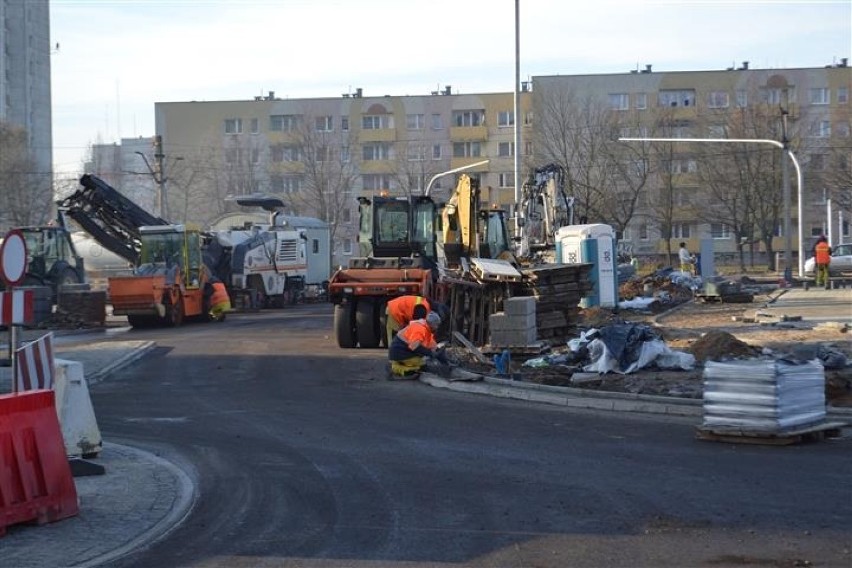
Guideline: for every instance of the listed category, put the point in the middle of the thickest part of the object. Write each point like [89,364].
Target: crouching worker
[412,343]
[403,310]
[219,301]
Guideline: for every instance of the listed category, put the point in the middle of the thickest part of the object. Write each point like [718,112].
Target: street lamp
[160,179]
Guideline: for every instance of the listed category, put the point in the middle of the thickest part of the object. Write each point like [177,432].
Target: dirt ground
[709,332]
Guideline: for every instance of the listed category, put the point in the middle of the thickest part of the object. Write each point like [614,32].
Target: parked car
[841,261]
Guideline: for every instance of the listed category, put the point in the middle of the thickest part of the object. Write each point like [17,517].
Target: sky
[113,59]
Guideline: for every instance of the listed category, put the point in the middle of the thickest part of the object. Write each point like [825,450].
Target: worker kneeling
[414,342]
[220,302]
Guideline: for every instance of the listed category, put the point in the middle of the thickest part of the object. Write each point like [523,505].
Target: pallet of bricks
[558,290]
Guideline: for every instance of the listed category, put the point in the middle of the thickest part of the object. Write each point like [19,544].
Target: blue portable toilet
[594,244]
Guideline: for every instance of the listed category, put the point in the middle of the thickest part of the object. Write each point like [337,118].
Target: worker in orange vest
[412,343]
[220,301]
[402,310]
[822,254]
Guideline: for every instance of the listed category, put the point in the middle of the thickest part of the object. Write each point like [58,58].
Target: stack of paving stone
[558,289]
[81,306]
[515,326]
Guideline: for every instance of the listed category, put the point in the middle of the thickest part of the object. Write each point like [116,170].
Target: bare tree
[26,196]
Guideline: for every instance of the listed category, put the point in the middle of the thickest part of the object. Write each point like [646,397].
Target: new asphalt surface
[142,496]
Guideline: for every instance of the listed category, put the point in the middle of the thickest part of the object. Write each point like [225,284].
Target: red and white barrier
[35,365]
[16,307]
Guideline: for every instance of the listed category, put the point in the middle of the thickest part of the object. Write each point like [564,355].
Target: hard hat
[434,320]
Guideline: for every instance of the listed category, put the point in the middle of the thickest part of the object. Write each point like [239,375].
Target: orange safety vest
[220,294]
[823,253]
[418,334]
[402,308]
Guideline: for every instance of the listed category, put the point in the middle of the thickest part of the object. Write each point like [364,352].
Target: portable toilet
[594,244]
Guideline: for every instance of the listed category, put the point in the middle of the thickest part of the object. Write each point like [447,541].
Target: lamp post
[159,175]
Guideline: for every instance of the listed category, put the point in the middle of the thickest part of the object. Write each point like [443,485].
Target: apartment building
[130,167]
[321,154]
[736,102]
[25,86]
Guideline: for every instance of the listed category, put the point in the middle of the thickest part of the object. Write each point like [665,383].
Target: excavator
[546,207]
[411,245]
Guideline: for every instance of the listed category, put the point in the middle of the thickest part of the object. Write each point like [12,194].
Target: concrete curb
[119,363]
[571,397]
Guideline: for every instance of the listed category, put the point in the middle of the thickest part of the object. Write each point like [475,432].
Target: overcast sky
[116,58]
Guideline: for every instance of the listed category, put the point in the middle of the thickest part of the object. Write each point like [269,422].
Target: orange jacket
[823,253]
[418,334]
[220,294]
[402,308]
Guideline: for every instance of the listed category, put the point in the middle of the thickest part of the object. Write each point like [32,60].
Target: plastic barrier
[74,408]
[35,479]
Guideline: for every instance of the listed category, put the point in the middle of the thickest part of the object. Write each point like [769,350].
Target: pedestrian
[402,310]
[412,343]
[822,256]
[687,262]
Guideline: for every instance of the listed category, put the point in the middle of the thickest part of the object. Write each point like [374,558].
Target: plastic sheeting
[627,348]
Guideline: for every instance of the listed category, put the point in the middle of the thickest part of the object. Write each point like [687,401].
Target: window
[324,123]
[347,246]
[619,101]
[643,232]
[528,118]
[506,149]
[437,122]
[375,151]
[683,166]
[505,118]
[375,182]
[253,126]
[641,101]
[770,96]
[416,182]
[283,122]
[676,98]
[506,179]
[416,153]
[255,155]
[841,129]
[344,123]
[436,152]
[347,215]
[680,230]
[717,99]
[344,154]
[414,121]
[843,95]
[286,184]
[233,125]
[720,231]
[819,96]
[821,129]
[466,150]
[716,131]
[468,117]
[322,154]
[742,98]
[286,153]
[376,121]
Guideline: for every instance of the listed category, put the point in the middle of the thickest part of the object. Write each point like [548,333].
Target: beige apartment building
[320,154]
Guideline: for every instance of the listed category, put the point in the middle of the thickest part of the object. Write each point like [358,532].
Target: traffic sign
[13,258]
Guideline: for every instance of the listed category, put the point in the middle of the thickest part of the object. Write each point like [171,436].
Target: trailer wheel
[344,325]
[367,324]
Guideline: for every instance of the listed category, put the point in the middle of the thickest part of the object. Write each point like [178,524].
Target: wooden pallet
[812,433]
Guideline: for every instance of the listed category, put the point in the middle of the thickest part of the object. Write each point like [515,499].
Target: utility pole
[785,186]
[158,174]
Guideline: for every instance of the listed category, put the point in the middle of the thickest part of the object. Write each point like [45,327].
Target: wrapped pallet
[767,396]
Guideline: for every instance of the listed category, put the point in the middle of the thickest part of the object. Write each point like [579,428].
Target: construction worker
[412,343]
[822,256]
[220,301]
[687,262]
[402,310]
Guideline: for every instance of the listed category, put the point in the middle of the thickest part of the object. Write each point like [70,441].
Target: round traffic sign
[13,258]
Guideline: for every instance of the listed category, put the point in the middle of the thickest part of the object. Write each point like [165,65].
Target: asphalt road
[305,456]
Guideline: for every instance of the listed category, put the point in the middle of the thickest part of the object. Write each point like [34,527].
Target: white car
[841,261]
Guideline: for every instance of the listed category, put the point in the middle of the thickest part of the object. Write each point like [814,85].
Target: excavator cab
[173,250]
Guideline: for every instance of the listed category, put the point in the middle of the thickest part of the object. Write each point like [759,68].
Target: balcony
[377,135]
[468,133]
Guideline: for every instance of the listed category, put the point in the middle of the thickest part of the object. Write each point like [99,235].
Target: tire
[344,325]
[367,324]
[140,322]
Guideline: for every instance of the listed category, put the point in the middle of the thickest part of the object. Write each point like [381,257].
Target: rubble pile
[721,346]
